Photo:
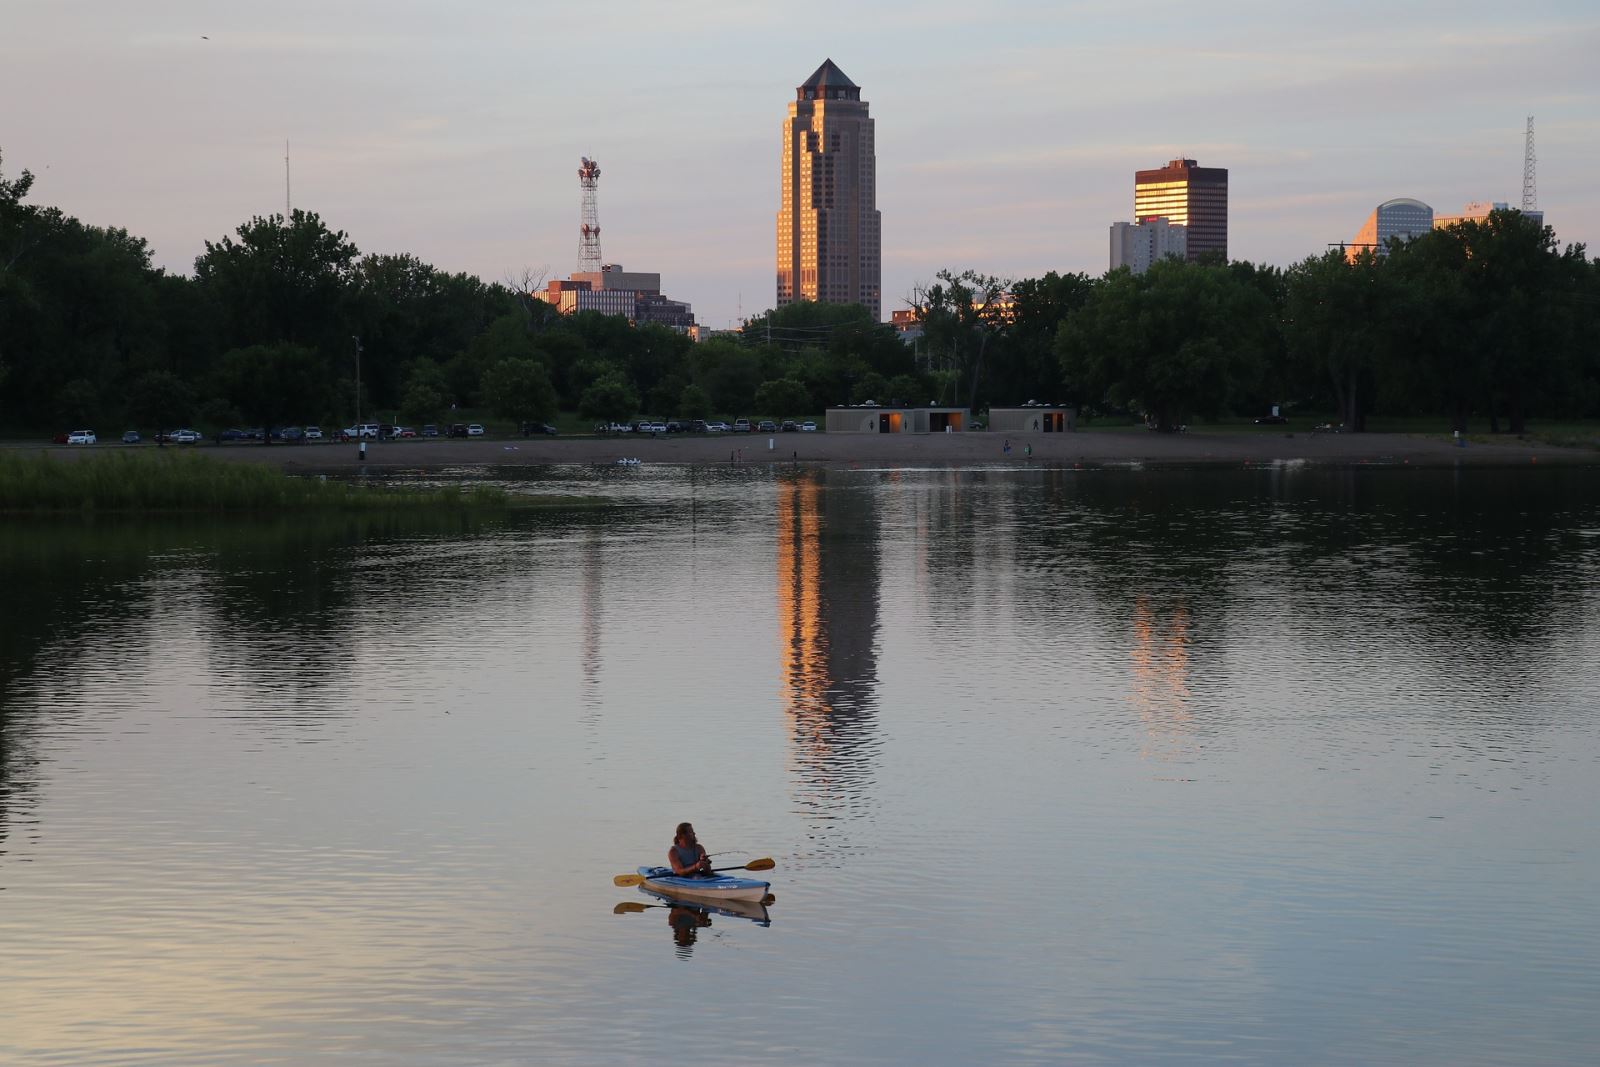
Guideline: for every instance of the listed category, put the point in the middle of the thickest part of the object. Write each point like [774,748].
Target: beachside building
[869,418]
[1034,418]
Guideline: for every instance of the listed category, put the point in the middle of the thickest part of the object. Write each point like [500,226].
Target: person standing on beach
[1005,448]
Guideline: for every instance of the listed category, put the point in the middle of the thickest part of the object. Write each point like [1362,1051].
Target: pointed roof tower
[828,82]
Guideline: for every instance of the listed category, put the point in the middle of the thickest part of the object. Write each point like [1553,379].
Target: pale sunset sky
[1007,132]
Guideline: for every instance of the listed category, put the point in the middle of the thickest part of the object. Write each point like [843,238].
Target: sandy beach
[898,450]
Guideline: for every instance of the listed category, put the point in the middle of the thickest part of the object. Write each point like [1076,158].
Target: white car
[716,427]
[81,437]
[656,427]
[185,437]
[313,433]
[474,430]
[808,427]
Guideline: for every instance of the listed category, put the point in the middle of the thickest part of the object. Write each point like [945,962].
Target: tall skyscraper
[1188,195]
[1402,218]
[828,221]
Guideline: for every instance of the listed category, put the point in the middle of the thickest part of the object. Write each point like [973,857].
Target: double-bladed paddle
[763,864]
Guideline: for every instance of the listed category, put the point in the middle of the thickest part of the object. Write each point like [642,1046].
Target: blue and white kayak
[754,910]
[710,887]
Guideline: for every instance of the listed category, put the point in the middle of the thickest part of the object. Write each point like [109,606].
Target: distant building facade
[634,295]
[1479,210]
[1136,245]
[1188,195]
[828,221]
[1402,218]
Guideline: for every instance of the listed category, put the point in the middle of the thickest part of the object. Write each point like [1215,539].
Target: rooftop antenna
[589,228]
[288,202]
[1530,185]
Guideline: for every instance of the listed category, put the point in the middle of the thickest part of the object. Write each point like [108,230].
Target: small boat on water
[717,887]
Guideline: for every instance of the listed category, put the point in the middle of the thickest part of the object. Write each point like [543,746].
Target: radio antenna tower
[1530,185]
[288,202]
[589,231]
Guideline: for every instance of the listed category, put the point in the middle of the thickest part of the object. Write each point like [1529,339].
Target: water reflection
[1160,693]
[828,589]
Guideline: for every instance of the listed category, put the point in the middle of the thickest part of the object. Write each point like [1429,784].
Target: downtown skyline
[453,138]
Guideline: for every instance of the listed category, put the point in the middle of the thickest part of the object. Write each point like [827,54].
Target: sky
[1007,132]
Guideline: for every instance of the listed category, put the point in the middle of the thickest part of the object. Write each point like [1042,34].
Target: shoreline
[1116,448]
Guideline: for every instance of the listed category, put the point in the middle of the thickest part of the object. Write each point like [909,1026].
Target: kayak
[713,887]
[754,910]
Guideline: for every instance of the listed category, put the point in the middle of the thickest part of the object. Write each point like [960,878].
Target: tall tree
[1173,342]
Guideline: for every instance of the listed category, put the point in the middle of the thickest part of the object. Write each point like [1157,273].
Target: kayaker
[687,855]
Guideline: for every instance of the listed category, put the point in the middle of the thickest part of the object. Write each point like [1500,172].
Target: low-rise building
[873,419]
[1034,418]
[634,295]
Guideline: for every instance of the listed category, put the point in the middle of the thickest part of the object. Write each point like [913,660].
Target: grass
[178,482]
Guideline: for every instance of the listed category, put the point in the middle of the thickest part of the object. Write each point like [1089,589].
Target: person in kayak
[687,856]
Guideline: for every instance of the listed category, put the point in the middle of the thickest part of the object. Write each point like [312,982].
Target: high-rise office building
[1402,218]
[1188,195]
[828,222]
[1136,245]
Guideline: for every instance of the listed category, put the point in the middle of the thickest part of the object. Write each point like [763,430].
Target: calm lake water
[1272,766]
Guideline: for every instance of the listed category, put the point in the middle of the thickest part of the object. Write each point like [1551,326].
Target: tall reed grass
[180,482]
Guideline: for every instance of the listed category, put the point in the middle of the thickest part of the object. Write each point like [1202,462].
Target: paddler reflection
[686,922]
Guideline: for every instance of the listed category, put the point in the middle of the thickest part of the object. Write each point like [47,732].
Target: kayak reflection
[687,918]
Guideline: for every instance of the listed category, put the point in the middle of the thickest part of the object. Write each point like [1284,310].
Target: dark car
[430,430]
[232,435]
[458,429]
[532,428]
[1271,420]
[130,437]
[291,433]
[789,427]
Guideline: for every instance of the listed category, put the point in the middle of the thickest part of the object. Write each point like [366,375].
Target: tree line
[1488,320]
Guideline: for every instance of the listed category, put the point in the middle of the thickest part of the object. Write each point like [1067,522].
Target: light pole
[361,448]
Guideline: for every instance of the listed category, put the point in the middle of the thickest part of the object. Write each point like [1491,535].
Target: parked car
[430,430]
[741,425]
[404,431]
[808,427]
[534,428]
[674,427]
[81,437]
[232,435]
[293,434]
[185,437]
[767,426]
[655,427]
[475,430]
[716,427]
[1271,420]
[788,426]
[313,433]
[458,429]
[131,437]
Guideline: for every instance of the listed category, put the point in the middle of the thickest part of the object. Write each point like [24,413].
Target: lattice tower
[589,230]
[1530,185]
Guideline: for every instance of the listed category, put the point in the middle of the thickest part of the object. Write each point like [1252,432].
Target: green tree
[520,389]
[426,394]
[273,385]
[694,402]
[1339,325]
[161,400]
[283,281]
[782,398]
[1176,341]
[610,399]
[961,315]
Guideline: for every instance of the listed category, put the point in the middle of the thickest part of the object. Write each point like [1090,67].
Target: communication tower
[1530,186]
[589,230]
